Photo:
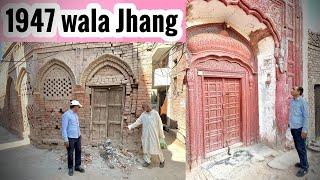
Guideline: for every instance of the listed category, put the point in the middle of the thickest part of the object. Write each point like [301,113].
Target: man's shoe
[161,164]
[70,172]
[145,164]
[301,172]
[298,165]
[80,169]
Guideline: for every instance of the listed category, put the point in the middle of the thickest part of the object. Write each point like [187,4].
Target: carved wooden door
[231,111]
[221,113]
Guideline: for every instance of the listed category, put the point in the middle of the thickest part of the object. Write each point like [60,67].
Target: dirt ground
[262,171]
[243,164]
[29,163]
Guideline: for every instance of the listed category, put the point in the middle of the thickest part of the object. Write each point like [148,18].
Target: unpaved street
[257,162]
[29,163]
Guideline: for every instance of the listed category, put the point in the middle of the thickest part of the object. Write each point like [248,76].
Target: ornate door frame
[209,65]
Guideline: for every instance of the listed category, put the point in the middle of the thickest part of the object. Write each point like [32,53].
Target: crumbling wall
[313,75]
[177,95]
[3,86]
[41,59]
[49,75]
[266,90]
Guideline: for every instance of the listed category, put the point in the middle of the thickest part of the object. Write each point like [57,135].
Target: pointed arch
[107,60]
[54,62]
[21,75]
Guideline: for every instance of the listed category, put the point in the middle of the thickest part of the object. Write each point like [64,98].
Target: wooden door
[221,113]
[317,109]
[213,114]
[231,111]
[106,113]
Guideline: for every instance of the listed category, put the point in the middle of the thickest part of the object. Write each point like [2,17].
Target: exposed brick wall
[10,109]
[84,64]
[177,91]
[313,75]
[3,85]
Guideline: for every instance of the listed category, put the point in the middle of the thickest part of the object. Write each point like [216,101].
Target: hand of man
[66,144]
[304,135]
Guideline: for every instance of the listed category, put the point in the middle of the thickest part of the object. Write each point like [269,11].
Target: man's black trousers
[74,145]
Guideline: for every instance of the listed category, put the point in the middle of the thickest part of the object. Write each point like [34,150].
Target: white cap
[75,103]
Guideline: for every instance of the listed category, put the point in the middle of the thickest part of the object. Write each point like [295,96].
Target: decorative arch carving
[55,79]
[103,61]
[226,64]
[220,43]
[223,54]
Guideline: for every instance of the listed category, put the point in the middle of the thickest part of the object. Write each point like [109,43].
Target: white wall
[267,95]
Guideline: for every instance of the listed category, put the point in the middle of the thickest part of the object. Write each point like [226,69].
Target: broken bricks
[111,156]
[117,156]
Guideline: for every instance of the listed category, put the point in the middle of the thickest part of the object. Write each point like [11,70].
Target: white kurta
[152,131]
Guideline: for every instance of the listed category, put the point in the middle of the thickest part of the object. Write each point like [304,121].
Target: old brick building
[244,56]
[314,82]
[111,80]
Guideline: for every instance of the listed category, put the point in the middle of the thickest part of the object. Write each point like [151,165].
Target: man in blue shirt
[298,123]
[71,136]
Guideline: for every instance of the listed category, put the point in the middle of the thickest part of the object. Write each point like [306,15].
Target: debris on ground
[105,156]
[237,158]
[314,146]
[117,156]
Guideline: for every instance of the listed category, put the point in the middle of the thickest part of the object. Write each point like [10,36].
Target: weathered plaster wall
[266,71]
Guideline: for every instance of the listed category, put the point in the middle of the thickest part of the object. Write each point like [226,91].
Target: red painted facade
[218,55]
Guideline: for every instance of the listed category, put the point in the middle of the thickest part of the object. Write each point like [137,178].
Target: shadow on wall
[11,112]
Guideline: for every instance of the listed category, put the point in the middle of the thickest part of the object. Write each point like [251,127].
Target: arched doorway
[13,113]
[108,81]
[55,82]
[222,83]
[239,49]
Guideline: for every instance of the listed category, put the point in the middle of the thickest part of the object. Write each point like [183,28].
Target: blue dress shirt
[298,116]
[70,125]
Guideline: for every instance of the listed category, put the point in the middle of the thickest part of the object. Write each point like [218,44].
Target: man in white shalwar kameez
[152,132]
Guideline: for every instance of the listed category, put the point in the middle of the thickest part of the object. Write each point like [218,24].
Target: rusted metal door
[221,113]
[106,113]
[317,109]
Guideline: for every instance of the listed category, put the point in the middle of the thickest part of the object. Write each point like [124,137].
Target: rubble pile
[104,156]
[117,156]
